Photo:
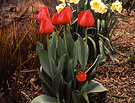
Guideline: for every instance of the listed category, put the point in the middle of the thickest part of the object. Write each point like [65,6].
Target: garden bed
[118,78]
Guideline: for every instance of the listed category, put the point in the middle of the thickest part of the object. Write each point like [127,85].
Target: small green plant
[66,79]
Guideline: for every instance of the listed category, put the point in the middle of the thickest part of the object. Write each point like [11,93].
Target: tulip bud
[81,77]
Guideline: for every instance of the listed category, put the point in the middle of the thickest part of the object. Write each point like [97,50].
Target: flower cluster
[64,16]
[99,7]
[45,24]
[116,6]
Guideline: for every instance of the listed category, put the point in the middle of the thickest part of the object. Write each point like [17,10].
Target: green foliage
[99,35]
[59,82]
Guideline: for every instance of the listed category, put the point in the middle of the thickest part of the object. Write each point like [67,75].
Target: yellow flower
[98,6]
[95,4]
[103,8]
[116,6]
[119,8]
[113,7]
[59,7]
[74,1]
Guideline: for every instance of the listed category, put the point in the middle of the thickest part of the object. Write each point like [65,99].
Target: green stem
[49,54]
[65,38]
[85,44]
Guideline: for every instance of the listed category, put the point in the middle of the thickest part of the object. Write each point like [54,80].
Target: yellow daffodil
[95,4]
[113,7]
[98,6]
[59,7]
[119,8]
[116,6]
[103,8]
[74,1]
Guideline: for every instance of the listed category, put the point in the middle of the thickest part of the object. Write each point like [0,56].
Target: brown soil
[118,78]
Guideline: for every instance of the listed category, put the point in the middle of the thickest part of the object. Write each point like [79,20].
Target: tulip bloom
[85,18]
[65,16]
[43,13]
[54,18]
[45,26]
[81,77]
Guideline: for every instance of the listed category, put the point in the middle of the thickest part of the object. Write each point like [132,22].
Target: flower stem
[49,54]
[65,38]
[85,45]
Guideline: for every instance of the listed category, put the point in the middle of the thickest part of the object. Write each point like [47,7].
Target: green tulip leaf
[44,60]
[111,56]
[100,58]
[75,54]
[71,74]
[53,46]
[94,86]
[58,74]
[69,42]
[94,46]
[44,99]
[46,78]
[68,92]
[39,46]
[78,97]
[47,90]
[81,52]
[61,47]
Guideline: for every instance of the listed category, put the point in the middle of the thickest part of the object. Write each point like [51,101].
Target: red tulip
[85,18]
[81,77]
[54,18]
[45,26]
[65,16]
[43,13]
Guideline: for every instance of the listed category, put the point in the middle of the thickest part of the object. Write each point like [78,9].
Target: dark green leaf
[111,56]
[94,46]
[39,46]
[71,74]
[61,47]
[81,53]
[100,58]
[68,92]
[53,46]
[44,60]
[47,90]
[95,86]
[45,77]
[58,74]
[78,97]
[69,42]
[75,54]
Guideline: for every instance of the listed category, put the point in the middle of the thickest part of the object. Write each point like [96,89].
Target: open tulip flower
[46,26]
[43,13]
[85,18]
[65,16]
